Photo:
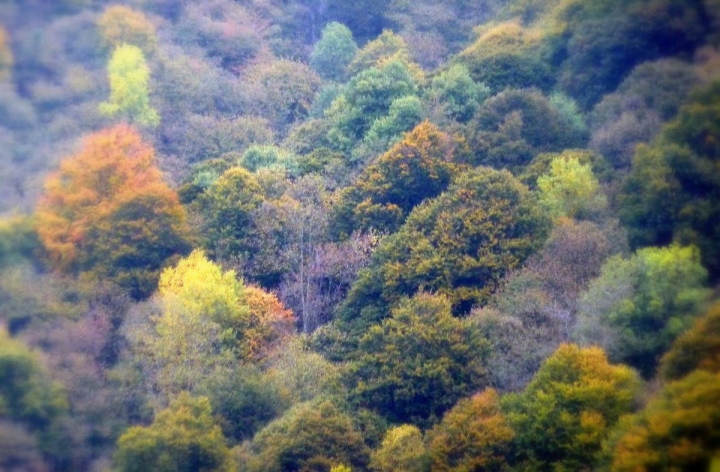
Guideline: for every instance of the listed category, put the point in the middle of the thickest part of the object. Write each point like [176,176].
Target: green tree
[18,240]
[403,115]
[387,47]
[418,362]
[312,436]
[512,127]
[244,400]
[258,157]
[203,174]
[457,93]
[697,348]
[571,190]
[459,244]
[129,79]
[541,165]
[183,437]
[367,97]
[402,450]
[672,191]
[473,435]
[420,166]
[26,394]
[567,410]
[677,430]
[226,207]
[302,373]
[507,55]
[333,52]
[638,306]
[32,407]
[603,41]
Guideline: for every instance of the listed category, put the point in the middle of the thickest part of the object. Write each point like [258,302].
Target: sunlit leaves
[678,430]
[459,244]
[638,306]
[420,166]
[226,207]
[507,55]
[248,318]
[402,450]
[202,322]
[567,409]
[473,435]
[571,189]
[129,78]
[311,436]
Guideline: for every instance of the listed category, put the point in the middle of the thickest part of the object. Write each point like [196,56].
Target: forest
[359,236]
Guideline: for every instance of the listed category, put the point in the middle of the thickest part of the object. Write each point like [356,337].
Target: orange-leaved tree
[107,212]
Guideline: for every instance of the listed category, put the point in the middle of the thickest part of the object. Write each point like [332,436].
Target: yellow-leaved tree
[129,78]
[562,417]
[206,320]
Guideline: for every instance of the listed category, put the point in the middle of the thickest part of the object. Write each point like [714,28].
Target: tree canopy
[420,166]
[335,236]
[567,410]
[120,25]
[183,437]
[671,192]
[334,51]
[473,435]
[129,78]
[638,306]
[678,429]
[414,365]
[108,212]
[459,244]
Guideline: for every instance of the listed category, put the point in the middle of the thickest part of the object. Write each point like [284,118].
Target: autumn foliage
[250,319]
[360,236]
[108,212]
[474,435]
[122,25]
[678,430]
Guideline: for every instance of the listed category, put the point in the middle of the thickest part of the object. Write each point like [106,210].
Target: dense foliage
[107,211]
[355,236]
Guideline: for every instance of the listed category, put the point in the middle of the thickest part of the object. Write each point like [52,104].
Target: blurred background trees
[330,235]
